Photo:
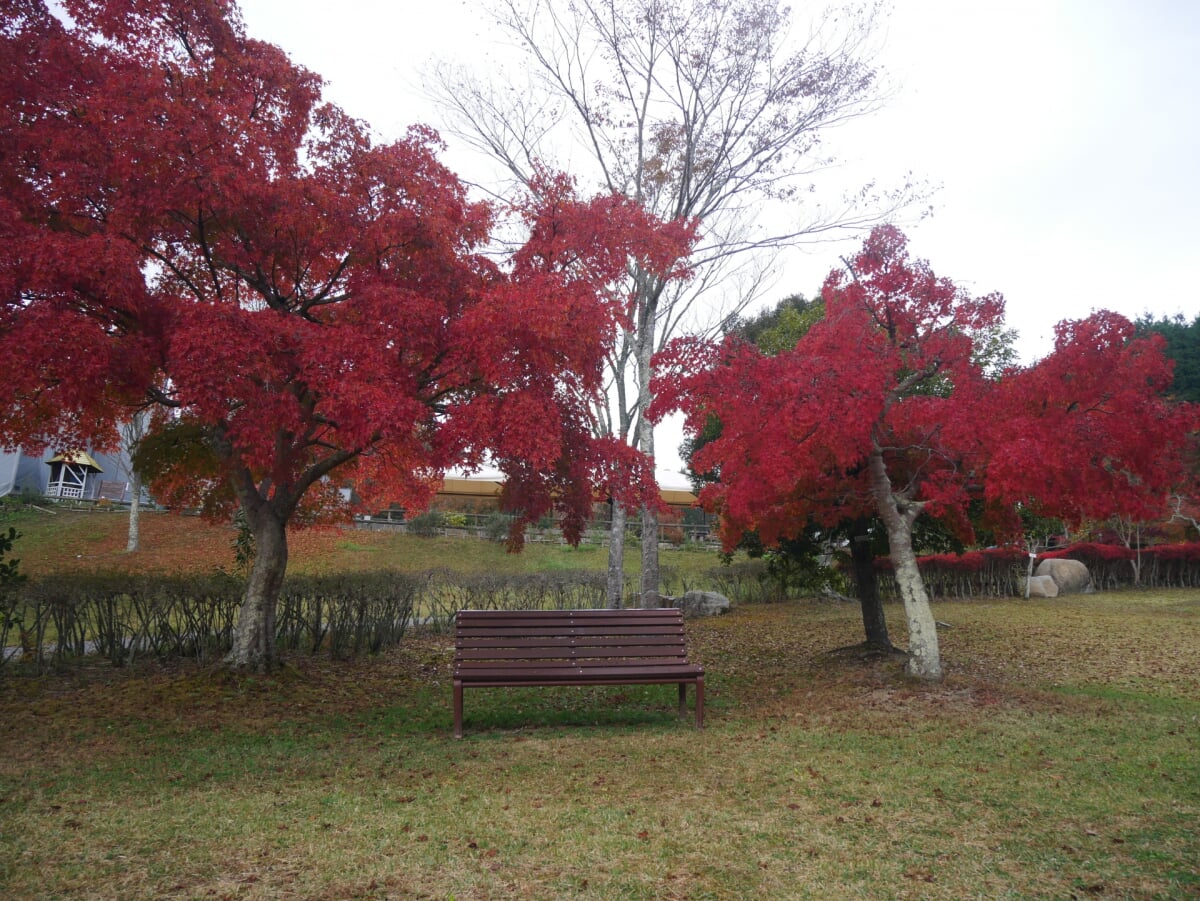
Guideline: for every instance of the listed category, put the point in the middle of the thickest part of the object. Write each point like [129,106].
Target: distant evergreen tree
[775,328]
[1183,346]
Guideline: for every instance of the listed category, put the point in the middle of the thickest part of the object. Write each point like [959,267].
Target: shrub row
[747,582]
[59,619]
[1159,566]
[1000,572]
[444,593]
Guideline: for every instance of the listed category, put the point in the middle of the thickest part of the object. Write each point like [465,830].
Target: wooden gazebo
[69,474]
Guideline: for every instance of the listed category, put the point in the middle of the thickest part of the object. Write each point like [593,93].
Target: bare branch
[707,110]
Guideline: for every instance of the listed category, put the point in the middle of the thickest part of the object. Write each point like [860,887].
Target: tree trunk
[132,433]
[649,593]
[135,504]
[645,442]
[254,640]
[615,588]
[1130,533]
[924,657]
[862,559]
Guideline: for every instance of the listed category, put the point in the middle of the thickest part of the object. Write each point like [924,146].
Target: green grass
[71,539]
[1059,758]
[79,541]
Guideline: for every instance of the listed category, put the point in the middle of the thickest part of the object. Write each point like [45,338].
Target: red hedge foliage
[1089,552]
[1001,571]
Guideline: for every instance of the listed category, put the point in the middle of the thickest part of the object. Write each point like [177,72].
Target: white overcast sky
[1064,136]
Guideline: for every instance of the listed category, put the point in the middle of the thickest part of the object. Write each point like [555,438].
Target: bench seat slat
[600,614]
[466,667]
[568,678]
[559,633]
[551,628]
[545,653]
[571,629]
[663,670]
[601,617]
[500,618]
[578,641]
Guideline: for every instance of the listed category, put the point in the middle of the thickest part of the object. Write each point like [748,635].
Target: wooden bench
[499,648]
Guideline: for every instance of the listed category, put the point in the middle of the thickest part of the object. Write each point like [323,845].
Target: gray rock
[1071,576]
[702,603]
[1041,587]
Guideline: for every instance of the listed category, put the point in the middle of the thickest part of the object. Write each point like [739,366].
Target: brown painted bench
[500,648]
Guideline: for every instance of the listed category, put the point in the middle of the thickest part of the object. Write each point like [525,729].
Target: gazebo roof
[79,458]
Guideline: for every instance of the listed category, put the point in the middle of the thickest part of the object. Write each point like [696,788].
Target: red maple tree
[883,409]
[1087,432]
[184,224]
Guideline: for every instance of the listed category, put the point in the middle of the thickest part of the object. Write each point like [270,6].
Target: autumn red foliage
[882,408]
[1000,572]
[185,225]
[1087,432]
[989,572]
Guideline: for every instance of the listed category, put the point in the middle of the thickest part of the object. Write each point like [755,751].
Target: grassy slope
[180,544]
[1060,758]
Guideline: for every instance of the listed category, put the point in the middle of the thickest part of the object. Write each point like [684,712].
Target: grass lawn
[1060,758]
[69,540]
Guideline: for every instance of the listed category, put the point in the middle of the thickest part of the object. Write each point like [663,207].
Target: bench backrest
[544,635]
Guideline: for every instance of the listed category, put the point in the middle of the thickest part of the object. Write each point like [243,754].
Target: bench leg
[458,709]
[699,701]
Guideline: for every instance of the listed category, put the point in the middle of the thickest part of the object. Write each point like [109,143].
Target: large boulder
[1071,576]
[702,603]
[1041,587]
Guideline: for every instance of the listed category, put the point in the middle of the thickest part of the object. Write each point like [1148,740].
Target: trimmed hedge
[445,593]
[63,618]
[1160,566]
[1000,572]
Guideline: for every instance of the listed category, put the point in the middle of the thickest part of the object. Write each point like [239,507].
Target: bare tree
[1129,531]
[711,110]
[132,433]
[1179,514]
